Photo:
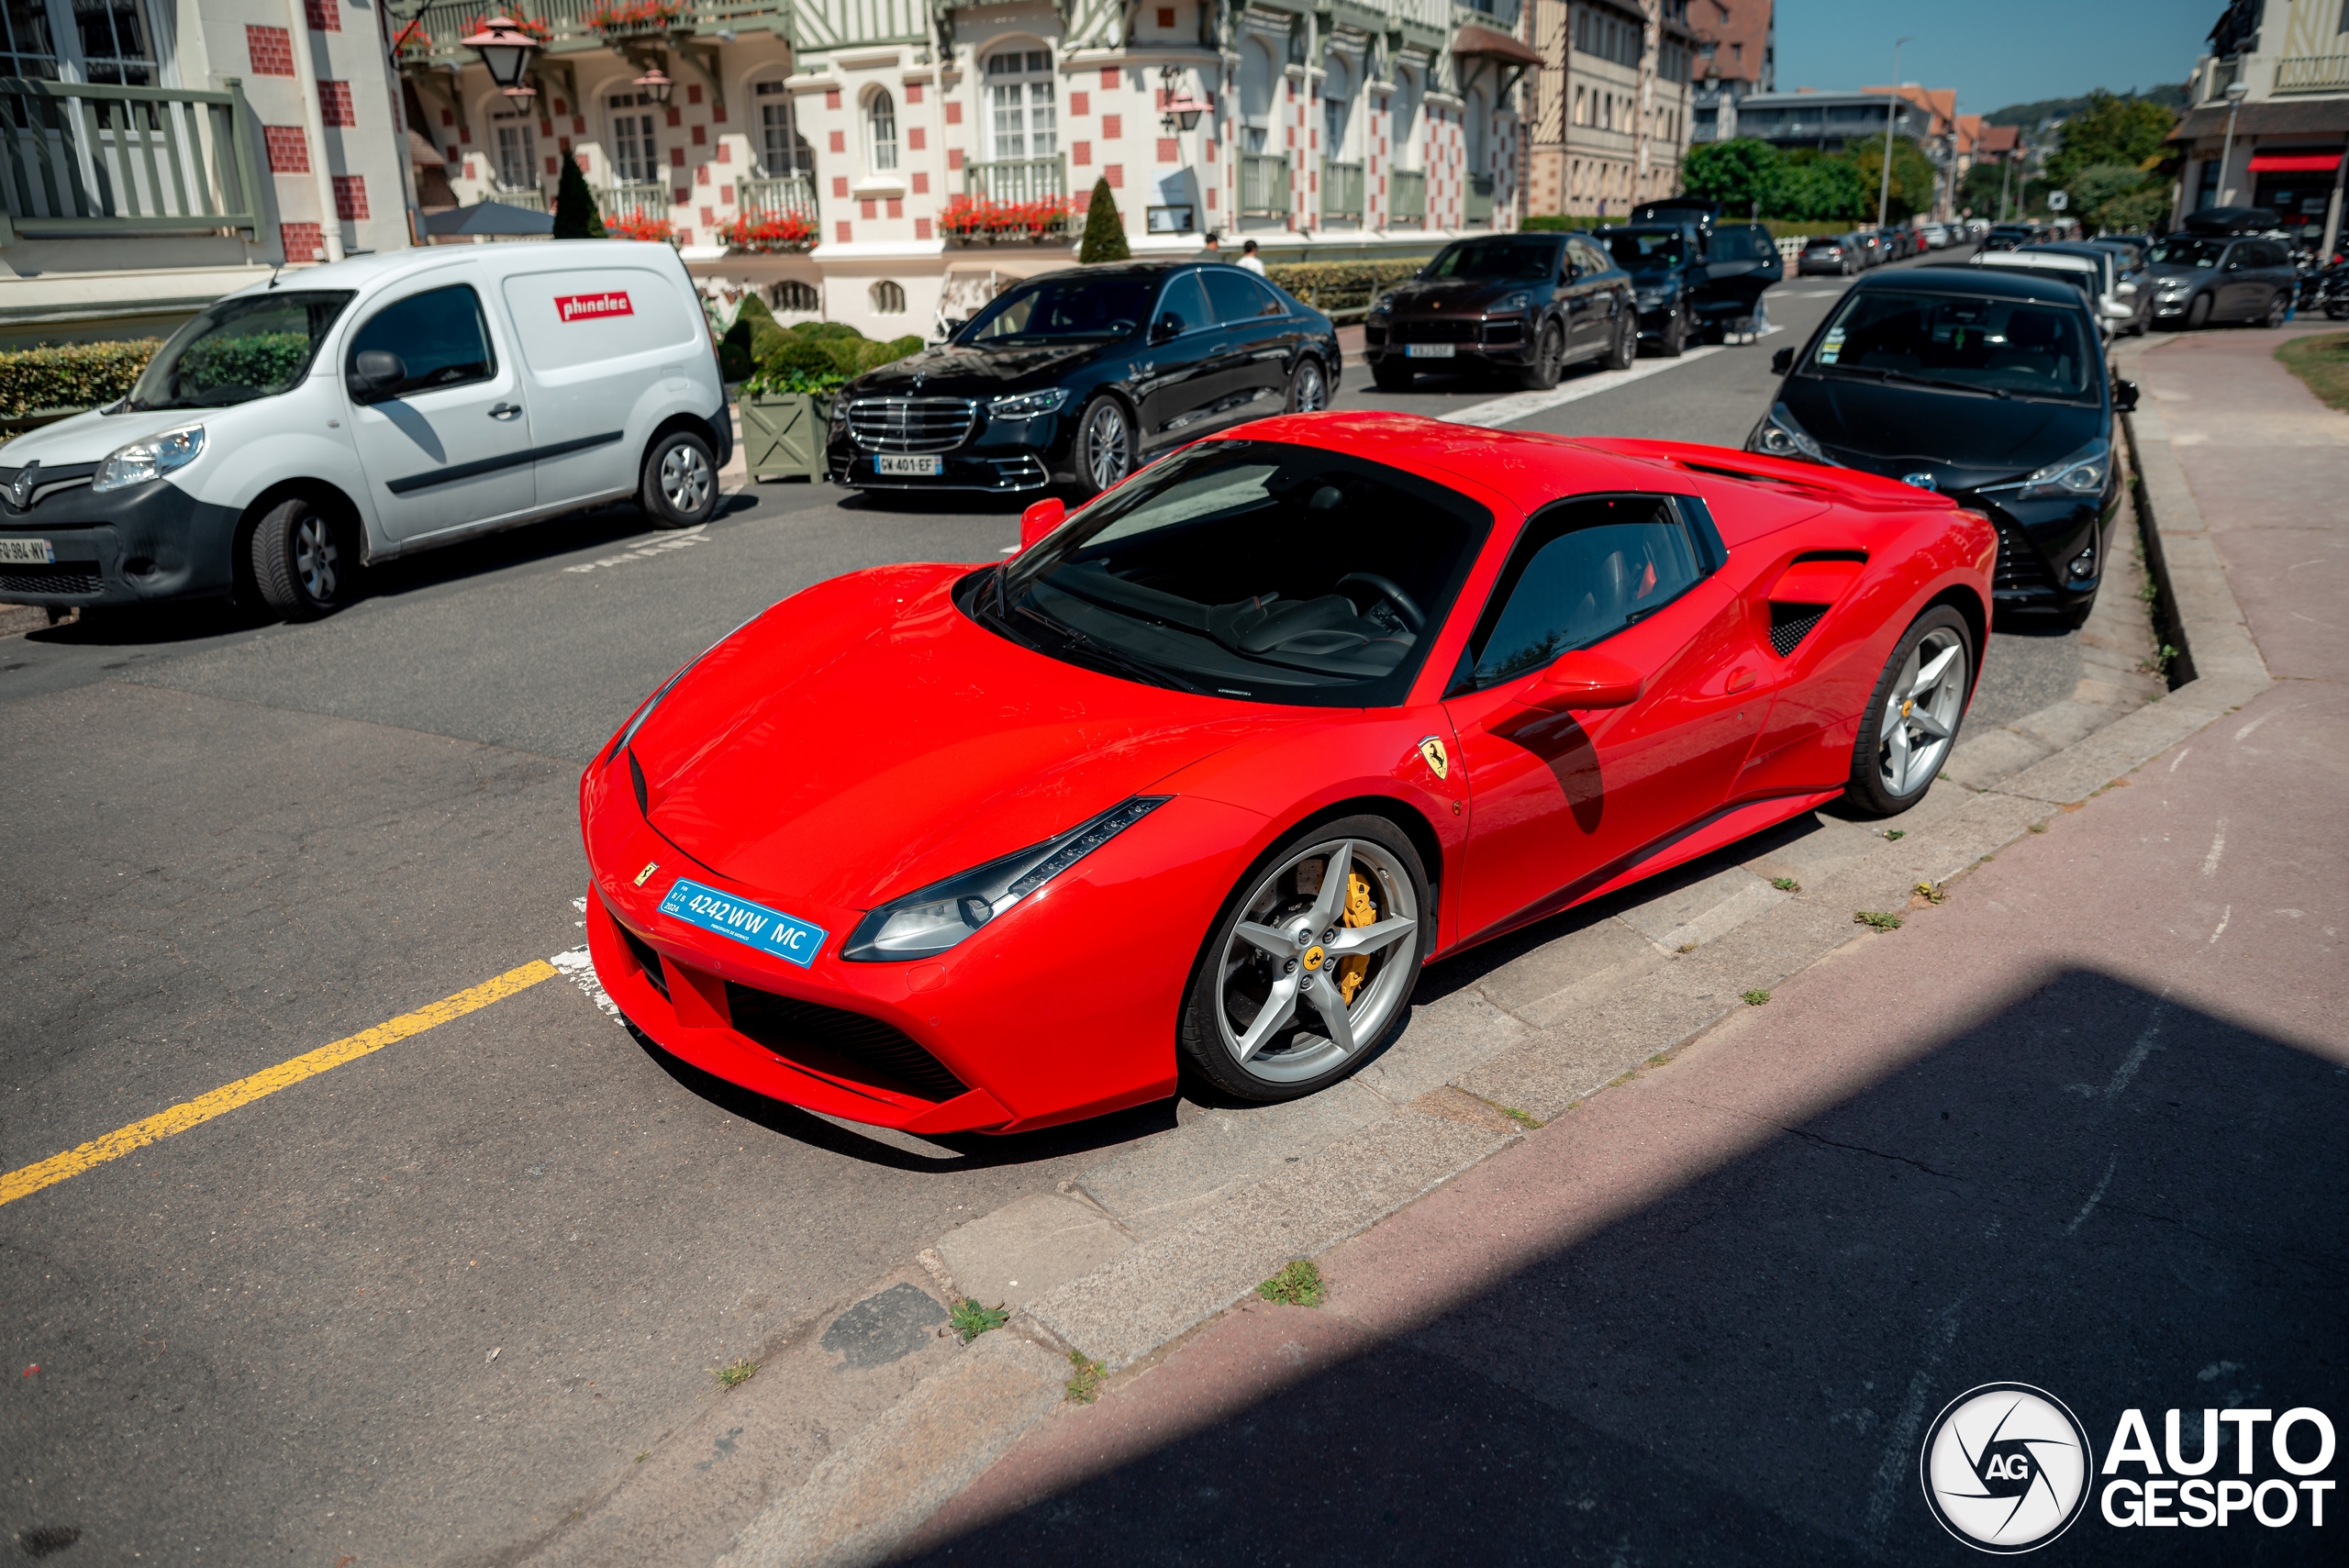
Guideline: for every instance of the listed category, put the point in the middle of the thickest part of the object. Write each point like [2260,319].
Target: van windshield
[251,346]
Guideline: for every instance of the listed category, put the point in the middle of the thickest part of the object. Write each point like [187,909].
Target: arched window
[1337,106]
[1256,78]
[1406,108]
[794,296]
[888,298]
[881,132]
[1021,114]
[782,149]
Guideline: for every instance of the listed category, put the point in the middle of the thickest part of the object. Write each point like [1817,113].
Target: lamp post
[1891,109]
[2236,93]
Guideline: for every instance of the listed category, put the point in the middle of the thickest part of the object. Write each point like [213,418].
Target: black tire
[1675,341]
[2277,309]
[1867,788]
[2077,616]
[2197,312]
[1626,348]
[305,559]
[678,486]
[1199,1034]
[1308,386]
[1549,359]
[2337,311]
[1392,374]
[1105,455]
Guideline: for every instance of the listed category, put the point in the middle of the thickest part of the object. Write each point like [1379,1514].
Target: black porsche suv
[1526,304]
[1078,377]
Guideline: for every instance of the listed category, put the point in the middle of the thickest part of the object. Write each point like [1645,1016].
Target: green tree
[1914,177]
[1105,232]
[1814,189]
[575,217]
[2139,212]
[1738,173]
[2110,130]
[1978,192]
[2092,188]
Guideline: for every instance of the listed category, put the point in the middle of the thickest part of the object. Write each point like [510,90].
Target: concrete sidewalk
[2080,1125]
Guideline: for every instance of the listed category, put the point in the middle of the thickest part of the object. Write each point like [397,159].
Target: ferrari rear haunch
[1204,777]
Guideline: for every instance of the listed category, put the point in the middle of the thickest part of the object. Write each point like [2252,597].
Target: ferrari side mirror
[1041,519]
[1782,361]
[1586,680]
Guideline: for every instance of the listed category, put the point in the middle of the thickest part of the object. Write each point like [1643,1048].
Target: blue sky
[1994,53]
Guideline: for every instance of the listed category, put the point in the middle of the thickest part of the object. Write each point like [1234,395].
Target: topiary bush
[1105,232]
[70,376]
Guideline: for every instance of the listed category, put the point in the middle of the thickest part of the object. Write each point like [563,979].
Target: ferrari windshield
[1999,346]
[1249,568]
[1504,259]
[1065,308]
[254,345]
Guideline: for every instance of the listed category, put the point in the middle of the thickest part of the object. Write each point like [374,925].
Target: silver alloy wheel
[686,478]
[316,558]
[1921,713]
[1280,1002]
[1107,448]
[1305,395]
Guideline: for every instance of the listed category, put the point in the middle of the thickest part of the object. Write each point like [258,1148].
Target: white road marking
[2224,915]
[1525,404]
[581,971]
[2218,847]
[653,552]
[2123,1075]
[2179,758]
[1899,1452]
[2254,725]
[2095,1198]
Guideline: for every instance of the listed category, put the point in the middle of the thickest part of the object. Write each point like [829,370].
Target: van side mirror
[1584,679]
[374,373]
[2124,396]
[1782,361]
[1041,519]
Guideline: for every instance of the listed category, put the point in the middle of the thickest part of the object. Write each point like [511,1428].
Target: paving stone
[884,1328]
[1447,1039]
[1028,1246]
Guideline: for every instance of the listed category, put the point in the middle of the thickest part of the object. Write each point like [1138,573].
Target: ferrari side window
[1583,571]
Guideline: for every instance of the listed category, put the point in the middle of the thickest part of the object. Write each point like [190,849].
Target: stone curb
[862,1501]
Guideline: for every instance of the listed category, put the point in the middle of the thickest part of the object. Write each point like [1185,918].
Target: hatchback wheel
[1549,361]
[1310,967]
[1912,716]
[2198,314]
[2277,309]
[680,484]
[1309,389]
[1105,446]
[302,561]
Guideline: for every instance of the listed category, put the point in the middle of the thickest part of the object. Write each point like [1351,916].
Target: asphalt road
[427,1305]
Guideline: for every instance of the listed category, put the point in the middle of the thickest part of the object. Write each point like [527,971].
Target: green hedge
[817,356]
[1342,285]
[70,376]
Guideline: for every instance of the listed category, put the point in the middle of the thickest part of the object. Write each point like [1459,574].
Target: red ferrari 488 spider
[1207,773]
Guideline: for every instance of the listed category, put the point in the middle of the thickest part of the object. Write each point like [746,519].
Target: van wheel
[303,561]
[680,484]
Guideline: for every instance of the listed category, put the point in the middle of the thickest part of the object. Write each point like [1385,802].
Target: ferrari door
[1562,801]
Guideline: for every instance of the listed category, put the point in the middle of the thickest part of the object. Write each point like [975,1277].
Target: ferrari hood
[867,738]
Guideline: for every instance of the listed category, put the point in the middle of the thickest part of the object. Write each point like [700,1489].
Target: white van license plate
[1427,351]
[27,551]
[910,467]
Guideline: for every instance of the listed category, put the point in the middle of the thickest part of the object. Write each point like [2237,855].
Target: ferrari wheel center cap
[1313,958]
[1905,707]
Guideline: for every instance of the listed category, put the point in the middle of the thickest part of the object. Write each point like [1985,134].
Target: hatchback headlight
[2080,476]
[930,920]
[1027,404]
[149,458]
[1779,436]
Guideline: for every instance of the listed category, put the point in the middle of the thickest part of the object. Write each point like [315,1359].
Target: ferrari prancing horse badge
[1437,763]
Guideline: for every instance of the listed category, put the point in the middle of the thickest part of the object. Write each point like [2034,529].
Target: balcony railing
[79,158]
[1017,179]
[1341,193]
[1406,198]
[1263,184]
[2311,73]
[777,195]
[446,21]
[530,198]
[1476,200]
[2223,74]
[650,202]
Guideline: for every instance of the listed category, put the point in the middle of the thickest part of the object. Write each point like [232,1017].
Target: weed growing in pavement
[2159,664]
[970,1319]
[736,1374]
[2038,826]
[1299,1284]
[1896,834]
[1876,918]
[1520,1117]
[1084,1386]
[1688,947]
[1785,885]
[639,1458]
[1933,893]
[2149,591]
[1754,998]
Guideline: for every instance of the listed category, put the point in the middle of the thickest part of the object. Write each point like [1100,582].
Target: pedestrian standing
[1214,250]
[1249,259]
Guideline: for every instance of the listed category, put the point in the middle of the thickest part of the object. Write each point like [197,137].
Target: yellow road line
[31,1178]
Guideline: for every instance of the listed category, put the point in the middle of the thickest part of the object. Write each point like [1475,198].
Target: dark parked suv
[1981,385]
[1078,377]
[1695,280]
[1526,304]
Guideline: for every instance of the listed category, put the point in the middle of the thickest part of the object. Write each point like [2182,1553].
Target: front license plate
[770,931]
[27,551]
[910,467]
[1427,351]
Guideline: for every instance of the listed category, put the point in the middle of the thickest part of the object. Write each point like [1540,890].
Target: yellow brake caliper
[1351,970]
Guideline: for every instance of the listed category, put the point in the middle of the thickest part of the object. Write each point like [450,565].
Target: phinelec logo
[2006,1467]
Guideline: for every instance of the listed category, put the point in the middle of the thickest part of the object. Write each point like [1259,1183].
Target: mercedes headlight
[927,921]
[150,457]
[1027,404]
[1779,436]
[2079,476]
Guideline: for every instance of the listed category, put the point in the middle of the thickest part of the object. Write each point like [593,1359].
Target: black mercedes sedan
[1981,385]
[1526,304]
[1078,377]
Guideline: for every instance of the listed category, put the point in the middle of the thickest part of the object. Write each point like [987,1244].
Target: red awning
[1478,41]
[2295,163]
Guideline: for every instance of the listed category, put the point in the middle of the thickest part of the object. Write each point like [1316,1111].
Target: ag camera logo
[2006,1467]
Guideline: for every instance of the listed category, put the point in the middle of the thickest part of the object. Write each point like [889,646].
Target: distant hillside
[2029,115]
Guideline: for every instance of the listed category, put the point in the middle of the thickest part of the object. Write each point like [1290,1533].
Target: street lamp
[1891,107]
[1177,110]
[505,48]
[2236,93]
[655,84]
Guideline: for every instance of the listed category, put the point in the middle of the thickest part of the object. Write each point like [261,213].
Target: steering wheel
[1413,617]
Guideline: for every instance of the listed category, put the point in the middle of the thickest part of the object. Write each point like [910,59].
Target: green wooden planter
[783,434]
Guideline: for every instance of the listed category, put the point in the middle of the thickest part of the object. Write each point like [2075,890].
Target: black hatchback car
[1529,304]
[1079,377]
[1981,385]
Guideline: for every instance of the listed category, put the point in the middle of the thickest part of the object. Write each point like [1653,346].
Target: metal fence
[776,194]
[83,158]
[1340,192]
[1016,180]
[1263,184]
[1406,197]
[646,202]
[1476,200]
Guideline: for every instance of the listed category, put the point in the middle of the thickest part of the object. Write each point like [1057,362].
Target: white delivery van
[352,413]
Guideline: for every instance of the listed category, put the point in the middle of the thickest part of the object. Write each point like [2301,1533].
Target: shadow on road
[2128,1203]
